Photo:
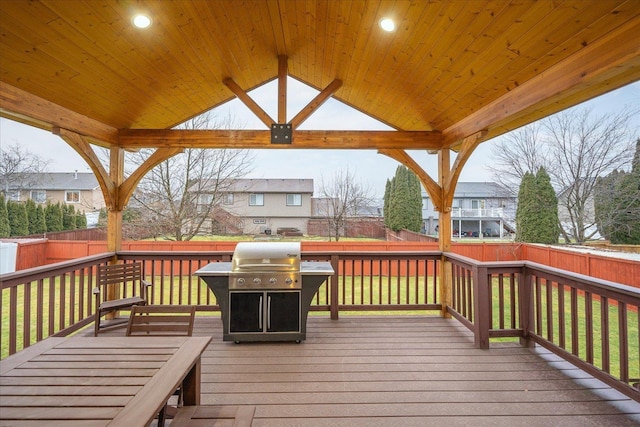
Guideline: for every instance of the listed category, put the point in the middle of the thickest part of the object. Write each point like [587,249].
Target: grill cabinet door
[283,311]
[245,311]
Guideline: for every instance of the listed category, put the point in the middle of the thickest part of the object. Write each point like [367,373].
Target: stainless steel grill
[265,265]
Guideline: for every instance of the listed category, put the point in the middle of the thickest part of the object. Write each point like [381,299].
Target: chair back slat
[119,273]
[161,320]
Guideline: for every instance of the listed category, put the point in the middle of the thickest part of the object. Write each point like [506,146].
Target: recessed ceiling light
[387,24]
[142,21]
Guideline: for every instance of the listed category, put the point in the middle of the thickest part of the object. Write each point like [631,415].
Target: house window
[456,203]
[294,199]
[205,199]
[228,199]
[13,195]
[477,204]
[256,199]
[72,196]
[38,196]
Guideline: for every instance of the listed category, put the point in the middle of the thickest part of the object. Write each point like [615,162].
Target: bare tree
[179,197]
[17,165]
[517,153]
[342,198]
[575,147]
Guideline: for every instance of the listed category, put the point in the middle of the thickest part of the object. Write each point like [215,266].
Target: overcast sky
[370,168]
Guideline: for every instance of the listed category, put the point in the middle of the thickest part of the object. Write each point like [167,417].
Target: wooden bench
[204,415]
[126,276]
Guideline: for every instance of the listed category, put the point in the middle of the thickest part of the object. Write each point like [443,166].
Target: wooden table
[101,381]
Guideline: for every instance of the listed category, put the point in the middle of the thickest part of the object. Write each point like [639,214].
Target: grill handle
[269,312]
[260,313]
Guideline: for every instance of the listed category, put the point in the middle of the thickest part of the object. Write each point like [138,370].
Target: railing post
[481,307]
[333,291]
[525,305]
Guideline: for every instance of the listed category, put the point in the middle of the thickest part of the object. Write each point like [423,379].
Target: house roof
[55,181]
[271,186]
[466,190]
[453,67]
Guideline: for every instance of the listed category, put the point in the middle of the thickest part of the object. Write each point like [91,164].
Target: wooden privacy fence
[617,270]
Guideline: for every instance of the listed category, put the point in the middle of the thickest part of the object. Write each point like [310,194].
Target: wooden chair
[125,275]
[162,320]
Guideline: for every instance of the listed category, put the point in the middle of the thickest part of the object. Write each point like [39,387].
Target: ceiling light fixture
[141,21]
[387,25]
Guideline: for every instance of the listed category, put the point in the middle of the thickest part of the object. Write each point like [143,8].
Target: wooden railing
[592,323]
[572,315]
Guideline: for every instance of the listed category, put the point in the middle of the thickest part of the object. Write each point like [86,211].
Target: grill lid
[266,256]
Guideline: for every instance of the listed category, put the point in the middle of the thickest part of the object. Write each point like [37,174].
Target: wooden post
[481,307]
[114,215]
[444,232]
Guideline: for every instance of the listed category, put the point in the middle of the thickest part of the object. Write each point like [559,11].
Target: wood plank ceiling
[455,67]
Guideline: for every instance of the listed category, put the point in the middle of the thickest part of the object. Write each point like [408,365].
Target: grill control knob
[256,281]
[273,280]
[240,281]
[288,281]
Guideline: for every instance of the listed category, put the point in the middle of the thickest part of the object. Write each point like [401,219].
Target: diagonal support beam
[83,148]
[432,187]
[315,103]
[469,144]
[129,185]
[250,103]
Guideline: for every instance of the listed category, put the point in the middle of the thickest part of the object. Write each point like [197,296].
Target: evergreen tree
[5,229]
[385,208]
[53,217]
[546,224]
[537,211]
[40,224]
[404,202]
[628,196]
[18,220]
[617,204]
[81,220]
[68,217]
[414,203]
[31,208]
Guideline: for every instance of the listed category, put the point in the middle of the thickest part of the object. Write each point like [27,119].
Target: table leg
[191,385]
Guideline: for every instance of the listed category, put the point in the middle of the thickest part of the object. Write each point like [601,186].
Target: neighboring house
[478,207]
[256,206]
[81,190]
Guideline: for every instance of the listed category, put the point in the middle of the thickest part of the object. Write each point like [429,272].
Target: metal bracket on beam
[281,133]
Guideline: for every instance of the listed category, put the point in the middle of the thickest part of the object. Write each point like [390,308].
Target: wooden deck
[402,371]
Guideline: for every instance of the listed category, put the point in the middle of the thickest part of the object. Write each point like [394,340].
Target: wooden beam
[250,103]
[615,56]
[242,139]
[23,107]
[469,144]
[282,89]
[82,147]
[432,187]
[129,185]
[114,213]
[315,103]
[444,233]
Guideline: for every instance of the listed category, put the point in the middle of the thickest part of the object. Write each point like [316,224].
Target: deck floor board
[402,371]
